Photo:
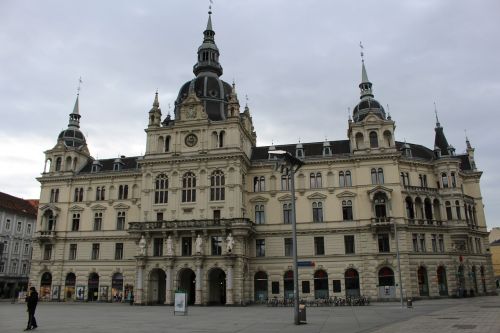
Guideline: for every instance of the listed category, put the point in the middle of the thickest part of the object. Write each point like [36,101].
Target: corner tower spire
[208,53]
[74,117]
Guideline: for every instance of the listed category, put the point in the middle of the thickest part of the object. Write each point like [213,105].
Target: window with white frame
[317,210]
[260,216]
[75,223]
[120,220]
[347,210]
[97,221]
[285,182]
[122,192]
[217,186]
[189,187]
[161,189]
[259,184]
[287,213]
[315,180]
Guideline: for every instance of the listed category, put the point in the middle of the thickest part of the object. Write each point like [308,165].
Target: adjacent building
[17,226]
[205,210]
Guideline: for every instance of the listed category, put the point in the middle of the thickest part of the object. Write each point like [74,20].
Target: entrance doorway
[423,283]
[45,286]
[69,286]
[288,284]
[320,284]
[386,285]
[260,286]
[216,287]
[117,287]
[93,287]
[156,292]
[442,282]
[351,277]
[187,282]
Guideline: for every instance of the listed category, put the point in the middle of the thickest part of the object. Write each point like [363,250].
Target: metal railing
[190,224]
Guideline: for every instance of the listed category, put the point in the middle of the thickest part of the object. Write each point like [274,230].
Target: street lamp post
[399,263]
[288,166]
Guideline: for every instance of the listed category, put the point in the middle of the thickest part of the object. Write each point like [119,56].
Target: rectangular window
[434,243]
[317,208]
[306,288]
[260,217]
[260,247]
[187,246]
[95,252]
[118,251]
[216,245]
[275,287]
[16,247]
[288,247]
[157,247]
[159,216]
[19,226]
[415,242]
[47,252]
[120,221]
[28,229]
[217,216]
[7,224]
[478,245]
[422,242]
[26,249]
[319,246]
[72,251]
[383,243]
[336,286]
[24,269]
[441,243]
[97,221]
[287,213]
[75,223]
[349,244]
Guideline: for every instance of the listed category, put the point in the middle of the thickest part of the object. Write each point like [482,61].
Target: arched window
[359,141]
[457,208]
[222,135]
[320,284]
[67,164]
[351,280]
[97,221]
[260,286]
[348,180]
[58,164]
[78,194]
[161,189]
[423,284]
[437,210]
[259,184]
[285,183]
[428,210]
[385,277]
[48,165]
[167,144]
[317,208]
[260,216]
[380,176]
[287,213]
[120,221]
[341,179]
[54,195]
[409,208]
[449,215]
[347,210]
[217,186]
[315,180]
[75,223]
[122,192]
[388,138]
[374,176]
[453,180]
[189,187]
[373,140]
[444,179]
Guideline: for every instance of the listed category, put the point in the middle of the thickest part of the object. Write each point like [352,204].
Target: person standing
[31,302]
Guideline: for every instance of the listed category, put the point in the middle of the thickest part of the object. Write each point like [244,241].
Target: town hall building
[204,210]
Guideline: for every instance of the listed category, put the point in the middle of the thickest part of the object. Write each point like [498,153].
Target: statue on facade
[198,244]
[229,243]
[170,246]
[142,246]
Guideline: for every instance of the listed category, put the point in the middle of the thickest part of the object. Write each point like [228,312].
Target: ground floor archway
[320,284]
[93,287]
[156,290]
[187,282]
[117,287]
[45,286]
[260,286]
[288,284]
[69,286]
[442,281]
[386,285]
[423,282]
[351,279]
[216,287]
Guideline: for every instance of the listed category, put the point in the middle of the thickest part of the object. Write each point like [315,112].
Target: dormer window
[96,166]
[327,151]
[299,152]
[117,166]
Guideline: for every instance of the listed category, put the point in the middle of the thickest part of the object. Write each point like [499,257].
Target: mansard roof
[128,163]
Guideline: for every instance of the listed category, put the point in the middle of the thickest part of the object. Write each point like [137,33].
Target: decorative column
[199,272]
[139,284]
[168,283]
[229,284]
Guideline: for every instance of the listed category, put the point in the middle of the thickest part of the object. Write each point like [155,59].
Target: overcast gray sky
[298,62]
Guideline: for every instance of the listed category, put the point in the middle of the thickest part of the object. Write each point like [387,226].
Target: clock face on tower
[191,140]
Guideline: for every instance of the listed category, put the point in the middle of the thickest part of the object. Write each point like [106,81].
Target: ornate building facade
[205,211]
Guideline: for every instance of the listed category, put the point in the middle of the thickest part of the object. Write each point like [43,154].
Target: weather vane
[362,53]
[246,99]
[436,113]
[210,7]
[79,85]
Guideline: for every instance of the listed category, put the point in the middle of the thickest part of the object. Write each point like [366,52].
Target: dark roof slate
[129,163]
[17,205]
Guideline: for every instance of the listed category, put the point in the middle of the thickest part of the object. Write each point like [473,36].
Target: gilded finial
[362,52]
[436,113]
[79,86]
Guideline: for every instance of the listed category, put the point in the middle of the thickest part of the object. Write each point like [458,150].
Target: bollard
[409,302]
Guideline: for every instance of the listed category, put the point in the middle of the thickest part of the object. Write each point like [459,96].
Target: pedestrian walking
[31,302]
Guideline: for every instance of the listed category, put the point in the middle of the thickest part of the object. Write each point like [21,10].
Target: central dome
[365,106]
[209,88]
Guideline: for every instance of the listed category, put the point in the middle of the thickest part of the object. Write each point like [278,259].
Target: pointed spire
[365,85]
[438,124]
[156,103]
[440,139]
[74,117]
[208,53]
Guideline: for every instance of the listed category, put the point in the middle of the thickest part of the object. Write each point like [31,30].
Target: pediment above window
[316,196]
[259,198]
[55,210]
[98,207]
[121,206]
[76,208]
[286,197]
[346,194]
[379,189]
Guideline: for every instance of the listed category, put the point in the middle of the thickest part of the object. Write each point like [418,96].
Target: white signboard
[180,303]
